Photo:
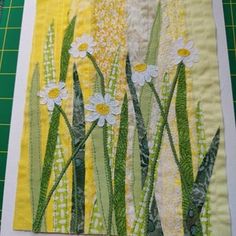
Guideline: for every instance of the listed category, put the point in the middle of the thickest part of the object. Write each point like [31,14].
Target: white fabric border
[228,109]
[19,103]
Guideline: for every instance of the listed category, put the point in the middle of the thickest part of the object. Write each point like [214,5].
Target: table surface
[10,27]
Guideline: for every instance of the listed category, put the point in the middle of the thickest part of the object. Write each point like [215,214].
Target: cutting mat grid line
[10,26]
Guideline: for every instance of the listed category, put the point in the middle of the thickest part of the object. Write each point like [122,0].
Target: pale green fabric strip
[206,86]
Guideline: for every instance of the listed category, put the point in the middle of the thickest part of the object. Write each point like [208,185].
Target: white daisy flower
[81,46]
[53,94]
[103,109]
[142,72]
[184,52]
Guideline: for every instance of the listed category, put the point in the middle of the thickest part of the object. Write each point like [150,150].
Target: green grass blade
[205,170]
[114,74]
[60,196]
[184,137]
[154,42]
[111,89]
[119,175]
[102,192]
[142,133]
[35,140]
[146,96]
[47,166]
[202,150]
[201,137]
[200,187]
[96,225]
[78,185]
[48,56]
[65,56]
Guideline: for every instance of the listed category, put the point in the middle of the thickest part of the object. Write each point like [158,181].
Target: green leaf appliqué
[120,167]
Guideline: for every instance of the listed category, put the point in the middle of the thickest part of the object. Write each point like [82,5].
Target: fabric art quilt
[123,131]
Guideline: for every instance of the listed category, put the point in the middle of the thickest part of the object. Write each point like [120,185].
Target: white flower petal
[138,78]
[101,121]
[177,60]
[43,101]
[179,43]
[141,81]
[74,53]
[189,45]
[82,54]
[50,104]
[111,119]
[90,107]
[153,70]
[61,85]
[92,117]
[90,50]
[64,95]
[74,45]
[107,98]
[113,103]
[89,39]
[188,63]
[57,101]
[115,110]
[148,78]
[134,77]
[41,93]
[97,98]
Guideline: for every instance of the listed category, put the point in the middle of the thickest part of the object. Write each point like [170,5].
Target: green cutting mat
[230,25]
[9,40]
[10,26]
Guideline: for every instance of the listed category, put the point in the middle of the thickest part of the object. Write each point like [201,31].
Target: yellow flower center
[53,93]
[83,47]
[184,52]
[102,109]
[140,67]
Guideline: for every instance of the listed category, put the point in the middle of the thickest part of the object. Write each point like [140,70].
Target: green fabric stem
[107,166]
[142,133]
[111,89]
[35,141]
[47,167]
[78,185]
[184,137]
[48,56]
[66,44]
[120,171]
